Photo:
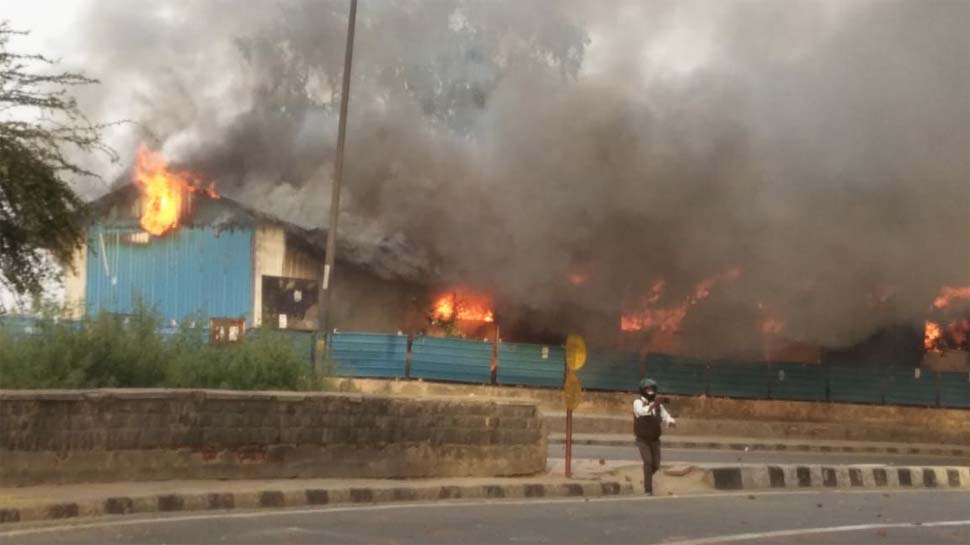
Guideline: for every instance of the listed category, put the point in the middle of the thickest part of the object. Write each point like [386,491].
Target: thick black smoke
[822,148]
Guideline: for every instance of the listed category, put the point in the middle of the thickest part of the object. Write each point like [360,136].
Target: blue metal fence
[744,380]
[904,386]
[855,384]
[677,376]
[371,355]
[610,371]
[954,390]
[798,382]
[451,360]
[530,365]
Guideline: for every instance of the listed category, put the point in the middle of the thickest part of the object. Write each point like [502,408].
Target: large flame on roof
[948,294]
[466,307]
[163,192]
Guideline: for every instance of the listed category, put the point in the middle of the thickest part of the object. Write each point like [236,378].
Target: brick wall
[105,435]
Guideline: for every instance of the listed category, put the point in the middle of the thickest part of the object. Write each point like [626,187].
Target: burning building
[172,243]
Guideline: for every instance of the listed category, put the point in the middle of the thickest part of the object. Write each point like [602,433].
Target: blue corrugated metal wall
[185,272]
[745,380]
[955,390]
[855,384]
[798,382]
[373,355]
[904,388]
[610,371]
[530,365]
[453,360]
[677,375]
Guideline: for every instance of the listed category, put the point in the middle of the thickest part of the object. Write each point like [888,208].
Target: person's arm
[640,408]
[665,416]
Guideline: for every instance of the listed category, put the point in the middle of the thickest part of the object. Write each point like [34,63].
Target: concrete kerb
[621,481]
[222,500]
[766,445]
[762,477]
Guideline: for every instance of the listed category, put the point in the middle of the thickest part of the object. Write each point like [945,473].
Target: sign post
[572,391]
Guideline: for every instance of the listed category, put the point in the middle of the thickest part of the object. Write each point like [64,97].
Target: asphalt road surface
[697,456]
[890,518]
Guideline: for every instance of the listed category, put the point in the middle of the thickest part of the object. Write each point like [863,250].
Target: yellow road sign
[572,391]
[575,352]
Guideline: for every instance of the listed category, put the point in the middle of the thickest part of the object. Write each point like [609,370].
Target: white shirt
[642,407]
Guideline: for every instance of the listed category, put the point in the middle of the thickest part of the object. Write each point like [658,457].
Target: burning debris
[465,307]
[942,334]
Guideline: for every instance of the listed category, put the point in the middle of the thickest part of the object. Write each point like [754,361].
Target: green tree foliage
[41,220]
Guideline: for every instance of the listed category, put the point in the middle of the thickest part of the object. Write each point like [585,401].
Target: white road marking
[822,530]
[324,509]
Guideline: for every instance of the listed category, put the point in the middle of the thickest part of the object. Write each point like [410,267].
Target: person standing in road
[649,418]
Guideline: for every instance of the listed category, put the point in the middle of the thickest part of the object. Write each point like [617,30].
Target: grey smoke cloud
[821,147]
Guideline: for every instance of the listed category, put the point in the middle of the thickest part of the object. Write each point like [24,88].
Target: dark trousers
[650,454]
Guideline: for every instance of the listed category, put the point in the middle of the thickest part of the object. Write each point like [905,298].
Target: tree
[41,217]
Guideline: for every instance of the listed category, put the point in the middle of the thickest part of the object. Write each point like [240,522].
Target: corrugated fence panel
[745,380]
[369,354]
[186,272]
[799,382]
[676,375]
[855,384]
[903,388]
[530,365]
[955,390]
[452,360]
[611,371]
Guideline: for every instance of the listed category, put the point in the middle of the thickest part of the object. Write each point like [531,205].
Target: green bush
[130,352]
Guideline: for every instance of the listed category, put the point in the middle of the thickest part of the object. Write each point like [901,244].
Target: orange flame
[163,191]
[473,308]
[669,319]
[664,319]
[771,324]
[960,334]
[948,294]
[931,335]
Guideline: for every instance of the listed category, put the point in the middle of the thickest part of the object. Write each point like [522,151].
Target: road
[755,457]
[886,518]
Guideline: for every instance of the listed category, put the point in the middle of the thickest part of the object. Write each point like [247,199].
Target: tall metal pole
[326,293]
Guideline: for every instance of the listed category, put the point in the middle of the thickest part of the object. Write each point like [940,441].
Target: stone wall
[729,416]
[113,435]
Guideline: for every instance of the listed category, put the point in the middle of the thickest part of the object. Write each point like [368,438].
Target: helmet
[647,383]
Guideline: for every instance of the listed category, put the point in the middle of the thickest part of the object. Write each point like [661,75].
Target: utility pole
[326,293]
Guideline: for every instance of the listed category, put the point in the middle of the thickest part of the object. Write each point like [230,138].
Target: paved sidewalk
[752,443]
[38,503]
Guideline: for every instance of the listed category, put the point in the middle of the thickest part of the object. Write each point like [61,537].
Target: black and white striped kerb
[813,476]
[254,499]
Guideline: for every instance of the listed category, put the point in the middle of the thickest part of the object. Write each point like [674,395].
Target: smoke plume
[819,147]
